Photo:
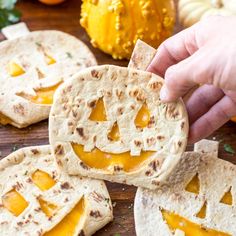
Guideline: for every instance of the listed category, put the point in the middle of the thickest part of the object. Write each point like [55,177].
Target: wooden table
[65,17]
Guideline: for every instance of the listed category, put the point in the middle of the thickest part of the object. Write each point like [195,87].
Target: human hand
[204,54]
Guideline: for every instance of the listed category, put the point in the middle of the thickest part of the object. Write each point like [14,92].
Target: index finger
[174,50]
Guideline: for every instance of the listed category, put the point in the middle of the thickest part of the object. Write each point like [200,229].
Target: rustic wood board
[65,17]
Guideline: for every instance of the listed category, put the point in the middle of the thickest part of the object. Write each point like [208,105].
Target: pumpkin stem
[217,3]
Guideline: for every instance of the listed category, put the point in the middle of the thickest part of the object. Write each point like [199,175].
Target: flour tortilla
[124,91]
[16,171]
[142,56]
[15,31]
[29,51]
[216,177]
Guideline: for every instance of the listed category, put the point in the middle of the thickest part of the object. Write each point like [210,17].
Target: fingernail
[164,95]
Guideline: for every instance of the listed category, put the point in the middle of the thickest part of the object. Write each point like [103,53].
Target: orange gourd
[115,25]
[51,2]
[233,119]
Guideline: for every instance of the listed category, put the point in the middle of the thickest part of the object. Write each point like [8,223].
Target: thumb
[180,78]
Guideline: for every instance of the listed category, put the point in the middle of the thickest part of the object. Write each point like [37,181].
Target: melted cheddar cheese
[175,221]
[102,160]
[14,202]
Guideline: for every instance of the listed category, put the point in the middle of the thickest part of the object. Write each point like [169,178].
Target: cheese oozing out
[4,120]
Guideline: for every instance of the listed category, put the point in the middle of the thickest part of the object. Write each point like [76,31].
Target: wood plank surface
[65,17]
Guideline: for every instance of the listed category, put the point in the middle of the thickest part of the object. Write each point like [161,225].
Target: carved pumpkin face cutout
[203,203]
[110,123]
[36,199]
[32,68]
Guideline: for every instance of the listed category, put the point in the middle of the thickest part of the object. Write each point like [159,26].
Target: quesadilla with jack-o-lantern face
[108,122]
[32,68]
[37,199]
[203,203]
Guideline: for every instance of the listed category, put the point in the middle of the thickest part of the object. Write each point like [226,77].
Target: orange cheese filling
[194,185]
[143,117]
[49,60]
[102,160]
[202,213]
[69,223]
[43,180]
[14,69]
[114,135]
[43,96]
[227,198]
[4,120]
[49,209]
[14,202]
[98,113]
[175,222]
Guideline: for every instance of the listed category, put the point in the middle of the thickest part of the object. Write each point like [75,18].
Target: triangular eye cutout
[49,209]
[227,198]
[143,117]
[49,59]
[15,69]
[202,213]
[114,134]
[98,113]
[194,185]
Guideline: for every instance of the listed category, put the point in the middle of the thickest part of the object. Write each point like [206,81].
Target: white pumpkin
[191,11]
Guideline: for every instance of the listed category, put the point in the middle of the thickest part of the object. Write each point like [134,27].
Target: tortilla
[142,56]
[33,67]
[15,31]
[44,198]
[110,124]
[205,198]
